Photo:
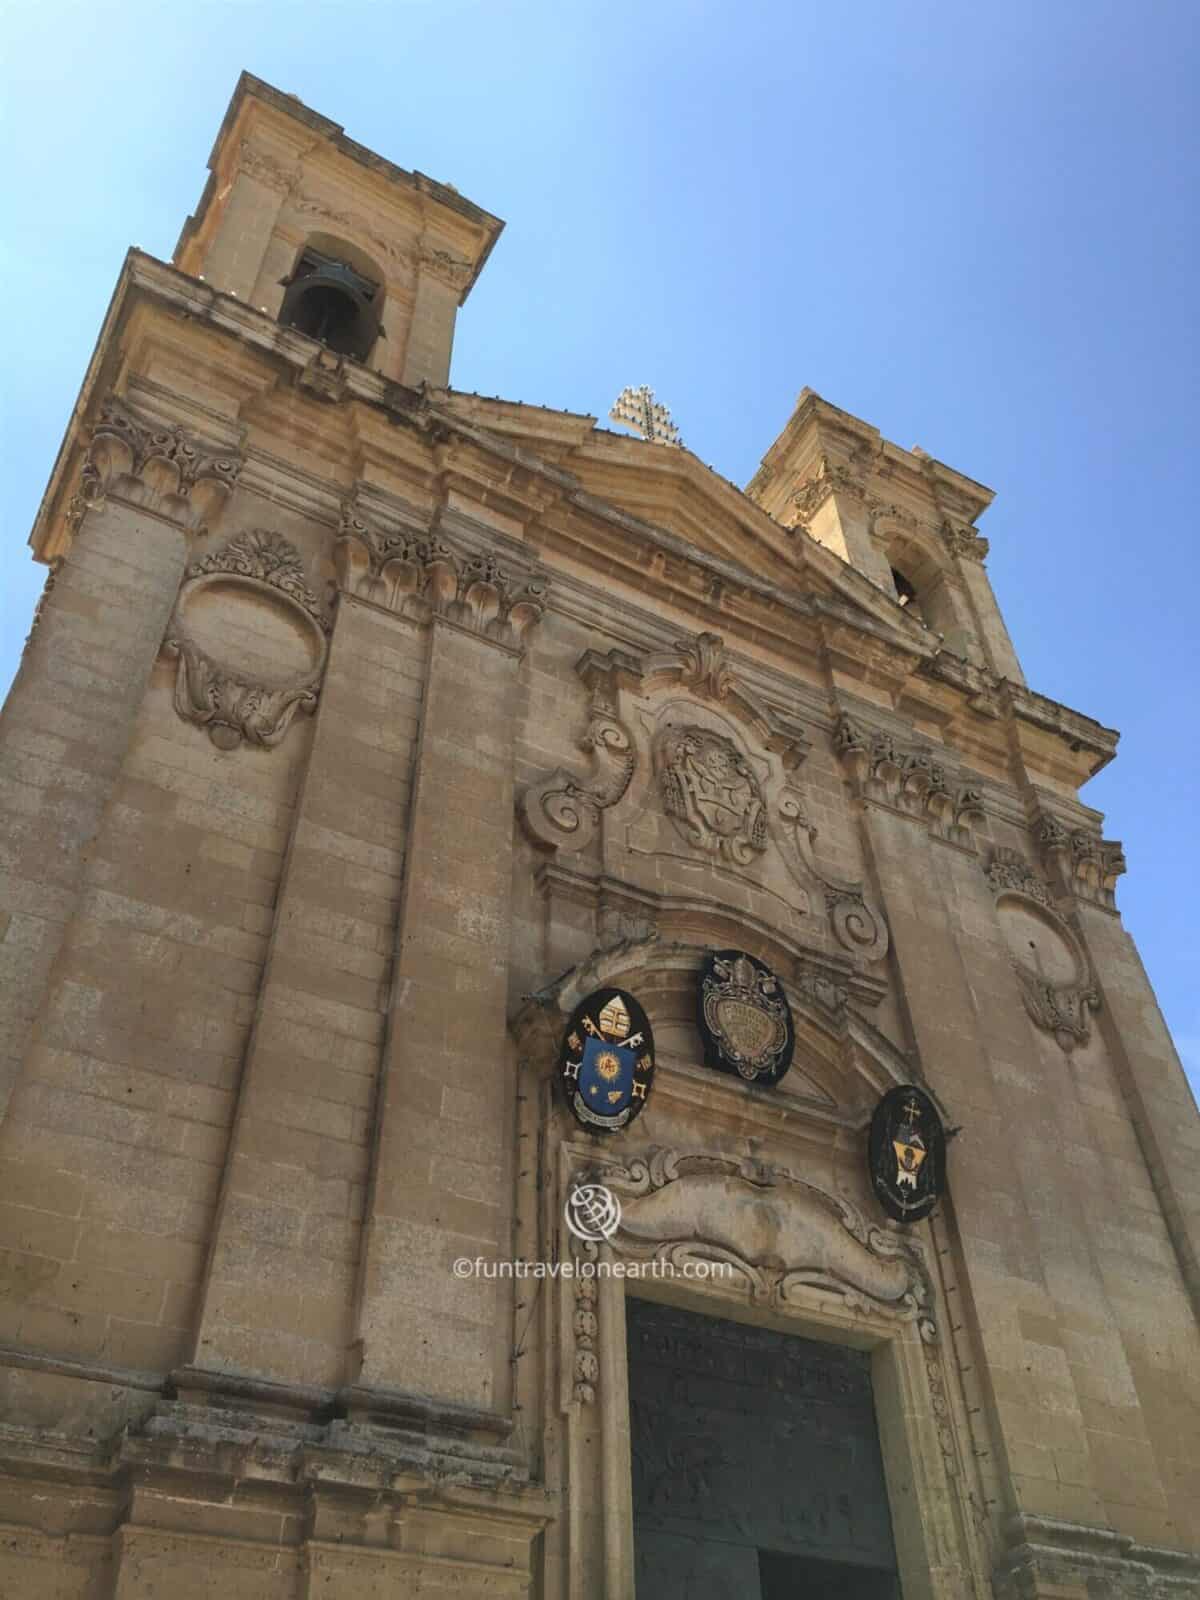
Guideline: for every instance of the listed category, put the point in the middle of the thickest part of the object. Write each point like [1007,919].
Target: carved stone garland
[1061,1008]
[909,780]
[235,704]
[420,577]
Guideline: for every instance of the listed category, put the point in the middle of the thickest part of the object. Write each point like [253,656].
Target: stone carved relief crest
[250,636]
[1057,986]
[711,793]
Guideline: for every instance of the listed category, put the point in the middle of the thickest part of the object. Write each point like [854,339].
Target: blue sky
[974,226]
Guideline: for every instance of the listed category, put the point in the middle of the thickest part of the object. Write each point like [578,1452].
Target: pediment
[671,497]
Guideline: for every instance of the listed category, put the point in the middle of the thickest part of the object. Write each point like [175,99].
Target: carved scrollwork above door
[786,1239]
[251,638]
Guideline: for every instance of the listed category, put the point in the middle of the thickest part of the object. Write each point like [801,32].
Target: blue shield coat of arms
[607,1061]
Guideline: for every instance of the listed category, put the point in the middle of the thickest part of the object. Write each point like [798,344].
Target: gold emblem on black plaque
[607,1060]
[745,1020]
[907,1154]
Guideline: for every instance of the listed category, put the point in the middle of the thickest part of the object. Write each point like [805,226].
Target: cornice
[720,593]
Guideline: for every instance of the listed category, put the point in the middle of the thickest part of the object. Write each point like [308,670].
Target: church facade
[420,810]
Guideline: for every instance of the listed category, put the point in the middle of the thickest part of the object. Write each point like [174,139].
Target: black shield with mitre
[907,1154]
[744,1018]
[606,1063]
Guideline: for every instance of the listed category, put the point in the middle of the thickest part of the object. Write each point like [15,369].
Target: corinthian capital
[157,468]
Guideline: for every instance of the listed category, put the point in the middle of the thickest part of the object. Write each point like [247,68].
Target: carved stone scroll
[562,810]
[240,613]
[858,926]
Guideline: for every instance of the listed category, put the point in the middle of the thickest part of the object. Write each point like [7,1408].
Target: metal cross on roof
[639,410]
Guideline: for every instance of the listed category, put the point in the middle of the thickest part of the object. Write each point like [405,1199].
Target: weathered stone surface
[364,731]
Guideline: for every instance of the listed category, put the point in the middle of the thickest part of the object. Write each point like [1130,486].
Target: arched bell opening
[333,301]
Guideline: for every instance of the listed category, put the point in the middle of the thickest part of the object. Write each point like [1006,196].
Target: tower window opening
[330,301]
[906,593]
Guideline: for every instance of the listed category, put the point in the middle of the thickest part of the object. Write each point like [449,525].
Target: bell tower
[301,222]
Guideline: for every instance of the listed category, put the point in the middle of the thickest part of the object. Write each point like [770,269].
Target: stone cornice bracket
[908,780]
[1080,862]
[158,469]
[562,810]
[1061,1008]
[213,689]
[703,665]
[421,577]
[858,925]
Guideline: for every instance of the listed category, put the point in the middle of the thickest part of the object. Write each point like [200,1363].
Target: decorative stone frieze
[1081,862]
[266,169]
[585,1327]
[254,588]
[829,478]
[419,576]
[909,780]
[159,469]
[1052,968]
[448,268]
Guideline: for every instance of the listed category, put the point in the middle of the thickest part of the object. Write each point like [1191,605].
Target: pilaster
[440,1186]
[144,490]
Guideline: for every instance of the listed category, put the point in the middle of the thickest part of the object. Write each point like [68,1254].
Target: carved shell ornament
[251,638]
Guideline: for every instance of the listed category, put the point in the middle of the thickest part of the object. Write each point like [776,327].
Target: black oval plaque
[907,1154]
[606,1064]
[744,1018]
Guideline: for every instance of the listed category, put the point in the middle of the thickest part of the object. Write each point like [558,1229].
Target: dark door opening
[756,1466]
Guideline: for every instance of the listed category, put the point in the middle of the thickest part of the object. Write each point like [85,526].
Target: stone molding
[235,706]
[1060,1008]
[1080,861]
[266,169]
[1047,1556]
[156,468]
[419,576]
[909,780]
